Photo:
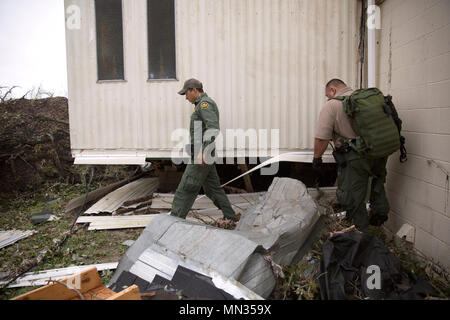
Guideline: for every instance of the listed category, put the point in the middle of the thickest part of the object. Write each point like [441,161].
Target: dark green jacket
[206,112]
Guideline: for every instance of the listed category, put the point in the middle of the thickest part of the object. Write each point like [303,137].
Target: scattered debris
[113,201]
[116,222]
[9,237]
[236,260]
[40,278]
[85,285]
[75,204]
[43,217]
[164,200]
[358,265]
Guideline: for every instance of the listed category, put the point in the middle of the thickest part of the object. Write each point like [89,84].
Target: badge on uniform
[204,105]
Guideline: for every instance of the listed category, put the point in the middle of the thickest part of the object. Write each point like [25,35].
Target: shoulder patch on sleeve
[204,105]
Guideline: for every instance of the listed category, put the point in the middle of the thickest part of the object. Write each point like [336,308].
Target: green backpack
[375,122]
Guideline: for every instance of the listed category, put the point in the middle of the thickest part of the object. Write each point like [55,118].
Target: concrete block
[438,68]
[436,146]
[419,215]
[437,16]
[426,243]
[444,255]
[438,94]
[438,42]
[441,228]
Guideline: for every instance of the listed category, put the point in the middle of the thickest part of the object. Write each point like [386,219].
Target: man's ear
[334,91]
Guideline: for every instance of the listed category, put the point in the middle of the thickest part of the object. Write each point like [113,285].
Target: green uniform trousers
[361,180]
[195,177]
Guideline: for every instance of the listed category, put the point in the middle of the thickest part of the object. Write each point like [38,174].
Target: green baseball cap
[190,84]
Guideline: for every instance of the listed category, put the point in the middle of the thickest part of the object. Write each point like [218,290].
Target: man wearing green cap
[204,127]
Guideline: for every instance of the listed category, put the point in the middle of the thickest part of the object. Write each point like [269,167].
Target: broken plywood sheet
[40,278]
[11,236]
[141,221]
[111,202]
[164,200]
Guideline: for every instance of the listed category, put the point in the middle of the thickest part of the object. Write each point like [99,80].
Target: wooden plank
[114,200]
[130,293]
[107,225]
[89,279]
[99,293]
[112,219]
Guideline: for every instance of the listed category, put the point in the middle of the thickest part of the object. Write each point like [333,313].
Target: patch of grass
[83,247]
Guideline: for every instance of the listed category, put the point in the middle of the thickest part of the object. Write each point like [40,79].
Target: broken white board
[40,278]
[112,201]
[11,236]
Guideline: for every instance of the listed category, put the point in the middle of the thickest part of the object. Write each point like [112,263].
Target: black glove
[317,164]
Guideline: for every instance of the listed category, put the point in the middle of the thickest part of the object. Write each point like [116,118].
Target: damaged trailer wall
[265,63]
[271,231]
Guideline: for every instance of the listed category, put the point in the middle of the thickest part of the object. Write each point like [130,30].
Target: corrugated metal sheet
[275,228]
[134,190]
[11,236]
[264,62]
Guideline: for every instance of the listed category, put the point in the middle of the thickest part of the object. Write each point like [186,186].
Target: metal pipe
[371,54]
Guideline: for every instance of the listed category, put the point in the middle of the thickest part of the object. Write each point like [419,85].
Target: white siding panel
[265,63]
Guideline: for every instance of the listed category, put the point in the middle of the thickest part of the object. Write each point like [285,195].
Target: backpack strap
[398,123]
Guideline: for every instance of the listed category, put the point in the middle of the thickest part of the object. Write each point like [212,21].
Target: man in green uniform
[204,126]
[359,179]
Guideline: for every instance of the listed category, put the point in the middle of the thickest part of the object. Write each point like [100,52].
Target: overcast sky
[32,46]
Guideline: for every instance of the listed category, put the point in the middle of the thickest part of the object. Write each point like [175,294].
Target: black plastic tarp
[351,262]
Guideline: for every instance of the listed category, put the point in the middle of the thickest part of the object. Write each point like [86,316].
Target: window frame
[175,45]
[123,48]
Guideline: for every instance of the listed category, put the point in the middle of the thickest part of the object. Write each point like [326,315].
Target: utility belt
[339,153]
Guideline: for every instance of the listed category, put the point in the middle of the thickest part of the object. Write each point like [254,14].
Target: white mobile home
[265,63]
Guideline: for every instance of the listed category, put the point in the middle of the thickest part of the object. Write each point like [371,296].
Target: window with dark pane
[161,39]
[108,15]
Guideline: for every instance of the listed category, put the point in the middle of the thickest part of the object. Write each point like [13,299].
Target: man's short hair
[335,83]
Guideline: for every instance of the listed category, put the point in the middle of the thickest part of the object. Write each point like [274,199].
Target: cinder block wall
[414,67]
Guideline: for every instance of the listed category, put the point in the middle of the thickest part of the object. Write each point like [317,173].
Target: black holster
[340,159]
[339,155]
